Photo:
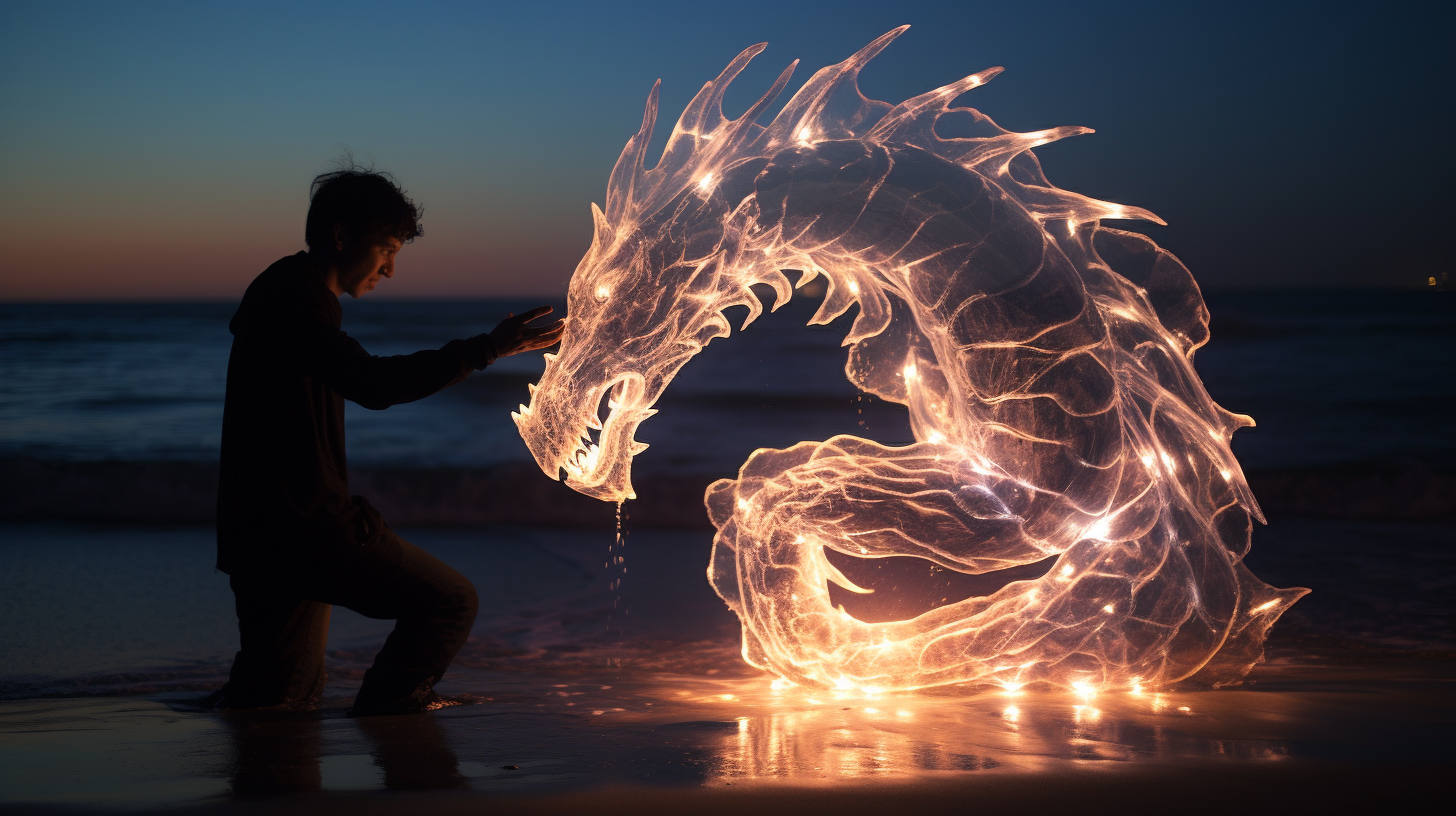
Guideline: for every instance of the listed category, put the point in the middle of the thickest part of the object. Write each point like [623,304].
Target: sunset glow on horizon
[163,151]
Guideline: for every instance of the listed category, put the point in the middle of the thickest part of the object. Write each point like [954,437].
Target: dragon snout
[582,434]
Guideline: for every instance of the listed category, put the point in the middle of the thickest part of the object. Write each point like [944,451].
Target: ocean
[1331,377]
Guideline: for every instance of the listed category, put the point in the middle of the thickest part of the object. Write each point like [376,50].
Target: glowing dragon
[1045,361]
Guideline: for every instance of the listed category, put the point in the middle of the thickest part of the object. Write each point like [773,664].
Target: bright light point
[603,292]
[1184,709]
[1066,571]
[872,711]
[1226,473]
[1084,688]
[743,505]
[1265,605]
[706,183]
[853,288]
[910,372]
[1071,227]
[903,713]
[1109,609]
[726,697]
[1011,713]
[935,437]
[805,134]
[1099,529]
[1147,459]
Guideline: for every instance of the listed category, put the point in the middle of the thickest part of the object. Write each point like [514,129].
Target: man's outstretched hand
[513,336]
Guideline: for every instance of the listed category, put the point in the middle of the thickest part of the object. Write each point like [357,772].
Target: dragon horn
[619,187]
[720,85]
[806,105]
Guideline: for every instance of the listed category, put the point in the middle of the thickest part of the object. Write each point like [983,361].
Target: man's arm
[379,382]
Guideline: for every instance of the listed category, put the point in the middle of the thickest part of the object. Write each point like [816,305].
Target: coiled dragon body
[1045,361]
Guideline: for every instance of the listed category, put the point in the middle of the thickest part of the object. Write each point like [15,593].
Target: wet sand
[633,699]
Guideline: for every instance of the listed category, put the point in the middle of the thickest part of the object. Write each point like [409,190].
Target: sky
[163,151]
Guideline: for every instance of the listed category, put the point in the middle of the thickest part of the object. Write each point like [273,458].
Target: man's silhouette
[289,534]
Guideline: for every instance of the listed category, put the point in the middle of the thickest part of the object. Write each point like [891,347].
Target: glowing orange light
[1046,377]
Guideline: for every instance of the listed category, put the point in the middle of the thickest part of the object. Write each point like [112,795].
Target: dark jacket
[283,488]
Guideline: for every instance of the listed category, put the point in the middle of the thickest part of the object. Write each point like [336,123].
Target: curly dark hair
[369,204]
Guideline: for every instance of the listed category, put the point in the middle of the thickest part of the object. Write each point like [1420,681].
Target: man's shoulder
[289,291]
[290,276]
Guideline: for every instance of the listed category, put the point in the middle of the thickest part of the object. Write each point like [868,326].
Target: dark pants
[283,618]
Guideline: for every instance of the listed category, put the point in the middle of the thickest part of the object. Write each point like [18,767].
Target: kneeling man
[289,534]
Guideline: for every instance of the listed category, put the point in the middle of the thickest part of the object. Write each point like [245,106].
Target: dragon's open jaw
[595,456]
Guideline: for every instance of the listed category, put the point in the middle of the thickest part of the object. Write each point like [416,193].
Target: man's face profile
[361,267]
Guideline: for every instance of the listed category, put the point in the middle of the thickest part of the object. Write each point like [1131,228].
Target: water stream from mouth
[616,568]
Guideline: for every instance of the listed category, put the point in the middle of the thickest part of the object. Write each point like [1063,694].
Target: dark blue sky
[164,149]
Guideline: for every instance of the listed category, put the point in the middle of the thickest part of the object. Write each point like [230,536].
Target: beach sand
[632,698]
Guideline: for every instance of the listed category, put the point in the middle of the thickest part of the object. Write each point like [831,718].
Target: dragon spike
[998,151]
[907,112]
[630,163]
[807,106]
[702,132]
[746,120]
[704,114]
[783,290]
[719,86]
[602,232]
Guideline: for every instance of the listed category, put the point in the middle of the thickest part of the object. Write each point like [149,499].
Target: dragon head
[667,258]
[640,305]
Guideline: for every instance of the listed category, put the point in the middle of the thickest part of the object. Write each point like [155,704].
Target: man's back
[283,480]
[283,489]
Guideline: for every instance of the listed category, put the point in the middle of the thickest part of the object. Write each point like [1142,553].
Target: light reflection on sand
[804,736]
[663,700]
